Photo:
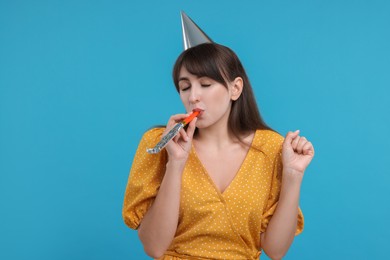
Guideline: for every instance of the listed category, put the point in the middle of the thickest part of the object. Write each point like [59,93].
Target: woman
[226,187]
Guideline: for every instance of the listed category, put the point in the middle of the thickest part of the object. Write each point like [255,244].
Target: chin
[201,125]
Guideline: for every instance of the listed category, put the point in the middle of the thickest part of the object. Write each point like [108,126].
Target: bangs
[203,67]
[201,61]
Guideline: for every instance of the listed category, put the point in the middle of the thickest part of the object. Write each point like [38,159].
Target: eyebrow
[183,78]
[198,77]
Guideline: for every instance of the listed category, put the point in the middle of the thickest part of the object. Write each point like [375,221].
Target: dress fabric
[212,225]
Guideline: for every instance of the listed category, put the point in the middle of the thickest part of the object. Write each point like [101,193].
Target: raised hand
[297,153]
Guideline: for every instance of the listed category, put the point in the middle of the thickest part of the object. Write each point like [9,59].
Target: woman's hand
[297,153]
[179,147]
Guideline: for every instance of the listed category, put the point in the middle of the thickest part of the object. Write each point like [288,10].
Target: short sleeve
[274,196]
[144,180]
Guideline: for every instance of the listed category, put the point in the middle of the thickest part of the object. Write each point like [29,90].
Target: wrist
[291,178]
[291,172]
[176,165]
[290,187]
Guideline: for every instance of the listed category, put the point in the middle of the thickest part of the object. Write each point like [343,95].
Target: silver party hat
[192,34]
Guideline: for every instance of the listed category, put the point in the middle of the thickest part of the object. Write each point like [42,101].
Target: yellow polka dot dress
[212,225]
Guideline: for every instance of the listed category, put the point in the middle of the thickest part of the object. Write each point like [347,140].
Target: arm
[159,224]
[282,226]
[297,153]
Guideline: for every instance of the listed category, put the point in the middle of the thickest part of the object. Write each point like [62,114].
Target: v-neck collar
[222,193]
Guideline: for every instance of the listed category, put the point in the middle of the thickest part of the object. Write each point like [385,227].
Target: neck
[215,137]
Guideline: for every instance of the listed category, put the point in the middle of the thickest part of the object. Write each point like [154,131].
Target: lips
[200,110]
[197,109]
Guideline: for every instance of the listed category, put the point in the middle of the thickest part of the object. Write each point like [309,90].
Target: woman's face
[206,94]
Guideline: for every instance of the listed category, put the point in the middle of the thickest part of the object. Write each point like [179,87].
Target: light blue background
[80,81]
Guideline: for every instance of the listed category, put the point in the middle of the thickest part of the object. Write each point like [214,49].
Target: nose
[194,95]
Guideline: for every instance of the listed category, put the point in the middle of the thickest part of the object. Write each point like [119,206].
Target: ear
[236,88]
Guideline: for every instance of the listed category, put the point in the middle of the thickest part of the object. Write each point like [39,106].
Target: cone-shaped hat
[192,34]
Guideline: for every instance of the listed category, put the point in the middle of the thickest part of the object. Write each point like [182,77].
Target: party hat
[192,34]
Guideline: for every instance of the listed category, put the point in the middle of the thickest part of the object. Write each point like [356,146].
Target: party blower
[172,133]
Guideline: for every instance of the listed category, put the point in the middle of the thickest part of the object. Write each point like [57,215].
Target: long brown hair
[221,64]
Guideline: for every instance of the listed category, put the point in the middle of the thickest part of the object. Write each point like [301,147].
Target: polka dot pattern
[212,225]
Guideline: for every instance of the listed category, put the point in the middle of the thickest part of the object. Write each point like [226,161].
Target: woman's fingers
[299,144]
[294,143]
[173,120]
[187,135]
[303,146]
[302,141]
[308,149]
[290,137]
[183,134]
[180,145]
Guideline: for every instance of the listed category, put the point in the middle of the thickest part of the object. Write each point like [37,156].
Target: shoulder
[153,134]
[270,142]
[268,137]
[150,138]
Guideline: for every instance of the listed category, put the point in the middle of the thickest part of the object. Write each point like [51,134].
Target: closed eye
[185,88]
[206,85]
